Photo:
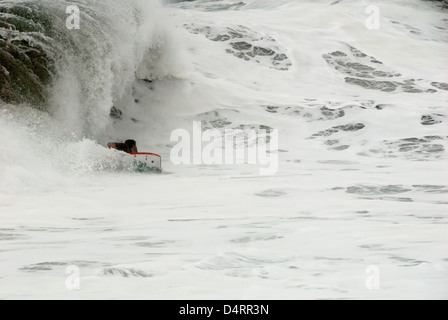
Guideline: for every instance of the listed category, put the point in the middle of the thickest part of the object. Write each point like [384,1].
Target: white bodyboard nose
[147,162]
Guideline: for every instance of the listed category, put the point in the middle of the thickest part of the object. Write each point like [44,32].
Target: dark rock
[115,113]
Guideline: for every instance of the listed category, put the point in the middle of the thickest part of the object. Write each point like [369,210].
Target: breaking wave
[77,70]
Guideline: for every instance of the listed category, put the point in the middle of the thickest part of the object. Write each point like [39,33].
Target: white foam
[224,232]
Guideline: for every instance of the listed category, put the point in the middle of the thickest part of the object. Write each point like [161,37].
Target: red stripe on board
[146,153]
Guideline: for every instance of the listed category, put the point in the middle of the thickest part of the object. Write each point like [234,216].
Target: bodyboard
[147,162]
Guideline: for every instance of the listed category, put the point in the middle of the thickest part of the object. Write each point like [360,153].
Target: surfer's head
[132,146]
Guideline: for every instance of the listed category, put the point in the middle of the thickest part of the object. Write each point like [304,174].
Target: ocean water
[353,92]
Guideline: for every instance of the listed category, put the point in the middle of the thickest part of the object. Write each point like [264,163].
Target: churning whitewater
[343,103]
